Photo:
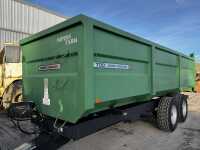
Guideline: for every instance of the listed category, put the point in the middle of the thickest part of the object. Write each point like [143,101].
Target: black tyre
[167,114]
[13,94]
[183,108]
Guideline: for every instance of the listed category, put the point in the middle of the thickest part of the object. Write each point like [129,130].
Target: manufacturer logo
[49,67]
[68,39]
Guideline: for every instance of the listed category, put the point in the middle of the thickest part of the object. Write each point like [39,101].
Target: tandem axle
[168,111]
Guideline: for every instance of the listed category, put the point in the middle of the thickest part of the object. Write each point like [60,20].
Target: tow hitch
[21,111]
[24,112]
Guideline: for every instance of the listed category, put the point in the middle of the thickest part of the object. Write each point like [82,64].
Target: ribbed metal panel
[18,20]
[11,37]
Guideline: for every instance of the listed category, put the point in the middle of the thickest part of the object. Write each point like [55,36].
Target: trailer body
[83,66]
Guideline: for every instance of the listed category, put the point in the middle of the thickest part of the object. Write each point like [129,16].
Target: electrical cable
[16,121]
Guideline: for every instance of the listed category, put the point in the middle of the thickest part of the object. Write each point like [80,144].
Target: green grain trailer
[83,75]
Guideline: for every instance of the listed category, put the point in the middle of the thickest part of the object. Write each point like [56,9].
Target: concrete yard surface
[139,135]
[142,135]
[10,137]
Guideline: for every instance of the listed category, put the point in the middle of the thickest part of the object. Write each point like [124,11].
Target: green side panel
[187,73]
[64,83]
[166,70]
[113,84]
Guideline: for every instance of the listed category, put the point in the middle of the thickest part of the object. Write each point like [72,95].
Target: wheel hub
[174,114]
[184,108]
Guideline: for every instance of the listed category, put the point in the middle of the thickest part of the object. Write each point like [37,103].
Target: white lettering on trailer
[46,100]
[68,39]
[110,66]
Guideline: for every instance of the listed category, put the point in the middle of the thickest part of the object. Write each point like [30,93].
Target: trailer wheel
[12,94]
[167,114]
[183,108]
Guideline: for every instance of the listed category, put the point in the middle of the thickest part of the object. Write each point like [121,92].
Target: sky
[171,23]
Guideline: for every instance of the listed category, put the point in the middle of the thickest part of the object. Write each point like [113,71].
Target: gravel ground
[139,135]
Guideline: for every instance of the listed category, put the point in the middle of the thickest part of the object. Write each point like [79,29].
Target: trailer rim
[184,108]
[174,114]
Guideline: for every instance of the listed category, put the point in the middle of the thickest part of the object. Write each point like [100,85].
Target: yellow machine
[10,75]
